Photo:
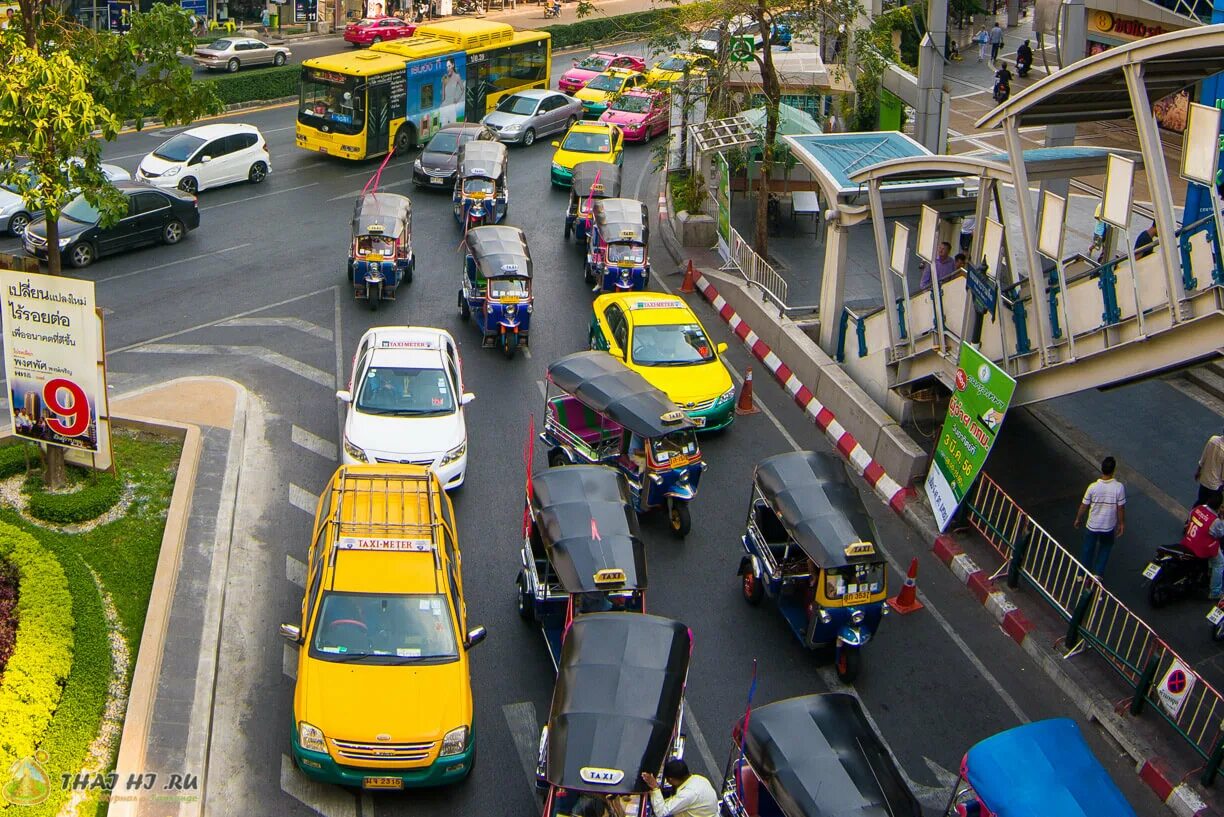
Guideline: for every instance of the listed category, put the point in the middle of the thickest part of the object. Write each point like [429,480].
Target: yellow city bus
[397,94]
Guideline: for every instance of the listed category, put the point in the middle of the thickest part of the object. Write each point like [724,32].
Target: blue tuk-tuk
[617,254]
[592,181]
[495,286]
[582,552]
[481,193]
[380,251]
[597,410]
[1041,768]
[810,545]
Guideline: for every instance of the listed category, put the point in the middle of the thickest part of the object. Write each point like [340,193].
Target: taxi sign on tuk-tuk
[374,228]
[860,549]
[609,575]
[672,416]
[607,777]
[628,233]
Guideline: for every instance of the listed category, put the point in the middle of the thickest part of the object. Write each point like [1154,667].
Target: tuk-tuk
[597,410]
[814,756]
[1041,768]
[616,247]
[809,545]
[481,195]
[592,181]
[582,552]
[495,286]
[616,711]
[380,252]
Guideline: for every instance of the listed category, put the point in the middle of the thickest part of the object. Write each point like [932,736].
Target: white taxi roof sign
[671,416]
[599,776]
[384,543]
[374,228]
[408,342]
[860,549]
[658,303]
[628,233]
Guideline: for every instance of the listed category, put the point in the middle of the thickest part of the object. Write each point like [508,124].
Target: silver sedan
[232,53]
[526,115]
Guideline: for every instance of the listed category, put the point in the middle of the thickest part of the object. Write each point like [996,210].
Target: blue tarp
[1043,769]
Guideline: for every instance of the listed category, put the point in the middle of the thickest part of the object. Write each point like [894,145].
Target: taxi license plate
[382,783]
[322,150]
[697,421]
[1151,570]
[436,181]
[1215,615]
[855,598]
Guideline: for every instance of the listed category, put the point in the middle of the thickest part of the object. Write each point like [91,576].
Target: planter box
[695,229]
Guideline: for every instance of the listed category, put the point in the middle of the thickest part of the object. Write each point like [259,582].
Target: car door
[257,53]
[152,210]
[619,328]
[207,163]
[123,234]
[549,115]
[242,155]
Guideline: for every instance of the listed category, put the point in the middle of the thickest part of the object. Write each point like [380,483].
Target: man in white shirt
[1105,504]
[693,795]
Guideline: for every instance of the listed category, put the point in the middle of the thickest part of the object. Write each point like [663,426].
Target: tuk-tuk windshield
[471,186]
[626,253]
[608,601]
[405,392]
[375,245]
[671,345]
[679,443]
[377,628]
[507,288]
[850,580]
[571,803]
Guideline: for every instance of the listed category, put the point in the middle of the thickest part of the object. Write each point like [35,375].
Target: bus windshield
[332,101]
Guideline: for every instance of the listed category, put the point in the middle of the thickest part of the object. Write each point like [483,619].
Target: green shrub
[13,458]
[95,496]
[42,659]
[257,84]
[603,29]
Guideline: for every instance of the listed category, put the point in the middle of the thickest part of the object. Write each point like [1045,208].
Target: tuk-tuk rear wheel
[465,311]
[557,458]
[525,610]
[568,229]
[849,662]
[680,520]
[751,587]
[588,274]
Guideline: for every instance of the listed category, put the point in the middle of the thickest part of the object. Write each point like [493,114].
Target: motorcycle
[1175,572]
[1216,618]
[1002,90]
[468,7]
[1023,66]
[553,10]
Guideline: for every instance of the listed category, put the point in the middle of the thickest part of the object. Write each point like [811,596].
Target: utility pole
[928,119]
[1072,42]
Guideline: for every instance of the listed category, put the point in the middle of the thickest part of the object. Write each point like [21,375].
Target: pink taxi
[639,114]
[584,71]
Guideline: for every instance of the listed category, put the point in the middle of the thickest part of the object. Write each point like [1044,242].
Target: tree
[65,89]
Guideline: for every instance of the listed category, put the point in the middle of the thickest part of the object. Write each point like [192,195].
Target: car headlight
[417,165]
[726,396]
[354,452]
[311,737]
[511,310]
[857,616]
[455,742]
[510,128]
[174,171]
[64,242]
[556,166]
[455,453]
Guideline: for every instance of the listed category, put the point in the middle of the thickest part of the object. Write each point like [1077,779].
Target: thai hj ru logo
[28,784]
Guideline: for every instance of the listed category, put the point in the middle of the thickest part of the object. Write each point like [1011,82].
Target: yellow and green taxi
[660,338]
[383,698]
[598,94]
[585,142]
[672,69]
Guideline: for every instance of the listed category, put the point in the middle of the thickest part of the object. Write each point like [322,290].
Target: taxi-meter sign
[1176,684]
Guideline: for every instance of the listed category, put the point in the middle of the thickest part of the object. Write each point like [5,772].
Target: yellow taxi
[598,94]
[585,142]
[660,338]
[672,69]
[383,698]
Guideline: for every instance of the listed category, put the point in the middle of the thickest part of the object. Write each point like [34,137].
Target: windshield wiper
[420,412]
[368,410]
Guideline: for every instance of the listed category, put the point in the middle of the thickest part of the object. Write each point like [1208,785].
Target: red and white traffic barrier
[1006,615]
[662,206]
[888,488]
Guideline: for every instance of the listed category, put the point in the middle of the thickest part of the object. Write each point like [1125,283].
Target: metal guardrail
[1097,619]
[756,270]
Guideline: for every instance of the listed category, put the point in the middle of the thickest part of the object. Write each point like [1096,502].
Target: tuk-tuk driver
[692,796]
[636,453]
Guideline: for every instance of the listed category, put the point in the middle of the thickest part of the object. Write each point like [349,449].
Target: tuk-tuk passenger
[636,452]
[371,244]
[478,185]
[593,601]
[633,253]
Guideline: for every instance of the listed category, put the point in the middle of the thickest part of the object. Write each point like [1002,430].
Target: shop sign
[1124,27]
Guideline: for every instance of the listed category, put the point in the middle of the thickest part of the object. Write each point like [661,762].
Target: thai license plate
[1151,570]
[855,598]
[436,181]
[1215,615]
[322,150]
[697,421]
[382,783]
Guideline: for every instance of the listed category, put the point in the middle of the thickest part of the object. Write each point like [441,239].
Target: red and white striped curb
[662,206]
[1180,797]
[1006,614]
[888,488]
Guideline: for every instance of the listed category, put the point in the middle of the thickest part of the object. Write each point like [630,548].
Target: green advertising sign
[975,414]
[722,197]
[741,49]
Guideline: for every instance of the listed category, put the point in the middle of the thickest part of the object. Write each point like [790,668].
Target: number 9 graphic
[76,412]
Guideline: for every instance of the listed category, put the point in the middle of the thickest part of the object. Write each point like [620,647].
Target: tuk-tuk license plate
[382,783]
[1151,570]
[1215,615]
[856,598]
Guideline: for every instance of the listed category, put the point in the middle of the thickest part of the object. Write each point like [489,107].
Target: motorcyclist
[1002,86]
[1203,532]
[1024,59]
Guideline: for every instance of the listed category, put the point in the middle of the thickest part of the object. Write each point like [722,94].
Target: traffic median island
[257,85]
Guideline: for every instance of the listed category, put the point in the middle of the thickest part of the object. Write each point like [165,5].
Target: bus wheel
[404,139]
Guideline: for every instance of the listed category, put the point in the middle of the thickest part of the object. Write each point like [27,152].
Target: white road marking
[289,661]
[330,801]
[314,443]
[543,388]
[525,731]
[288,323]
[696,738]
[527,352]
[260,196]
[302,499]
[170,264]
[356,193]
[307,371]
[295,569]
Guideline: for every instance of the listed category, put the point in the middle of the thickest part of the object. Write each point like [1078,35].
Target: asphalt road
[257,294]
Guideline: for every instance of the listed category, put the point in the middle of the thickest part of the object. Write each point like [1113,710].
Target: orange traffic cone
[907,600]
[744,405]
[690,279]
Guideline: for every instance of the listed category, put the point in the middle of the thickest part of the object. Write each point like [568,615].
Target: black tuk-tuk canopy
[609,179]
[482,159]
[617,701]
[819,757]
[608,387]
[812,496]
[499,251]
[586,522]
[622,220]
[386,214]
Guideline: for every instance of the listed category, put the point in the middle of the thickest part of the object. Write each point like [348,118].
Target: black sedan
[438,162]
[154,216]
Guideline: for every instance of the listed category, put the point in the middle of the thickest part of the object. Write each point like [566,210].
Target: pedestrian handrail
[1097,619]
[756,270]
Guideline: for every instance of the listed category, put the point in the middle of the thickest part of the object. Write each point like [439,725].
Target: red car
[376,29]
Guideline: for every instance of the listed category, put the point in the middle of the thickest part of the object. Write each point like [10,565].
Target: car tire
[569,123]
[405,139]
[259,172]
[82,255]
[376,41]
[233,65]
[528,137]
[18,223]
[189,185]
[278,60]
[173,231]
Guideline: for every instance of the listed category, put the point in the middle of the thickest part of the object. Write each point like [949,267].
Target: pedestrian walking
[265,20]
[1145,242]
[982,38]
[1105,505]
[1210,471]
[996,42]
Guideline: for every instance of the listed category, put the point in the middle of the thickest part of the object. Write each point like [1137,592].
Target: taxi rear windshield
[381,628]
[403,391]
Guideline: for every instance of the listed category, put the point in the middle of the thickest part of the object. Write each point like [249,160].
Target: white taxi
[405,402]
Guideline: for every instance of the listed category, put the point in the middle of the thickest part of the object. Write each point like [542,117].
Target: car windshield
[606,83]
[587,142]
[632,104]
[444,142]
[219,45]
[81,210]
[595,62]
[678,443]
[507,288]
[626,253]
[673,345]
[332,100]
[520,105]
[854,579]
[178,148]
[674,64]
[471,186]
[384,629]
[405,392]
[710,35]
[375,245]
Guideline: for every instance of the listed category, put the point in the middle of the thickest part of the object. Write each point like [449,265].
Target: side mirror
[475,636]
[556,144]
[206,159]
[466,398]
[292,632]
[344,396]
[722,348]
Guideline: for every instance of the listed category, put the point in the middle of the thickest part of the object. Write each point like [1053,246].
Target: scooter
[1002,90]
[553,10]
[1023,66]
[1175,572]
[1216,617]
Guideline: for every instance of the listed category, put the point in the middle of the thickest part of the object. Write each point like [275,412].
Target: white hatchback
[405,401]
[208,156]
